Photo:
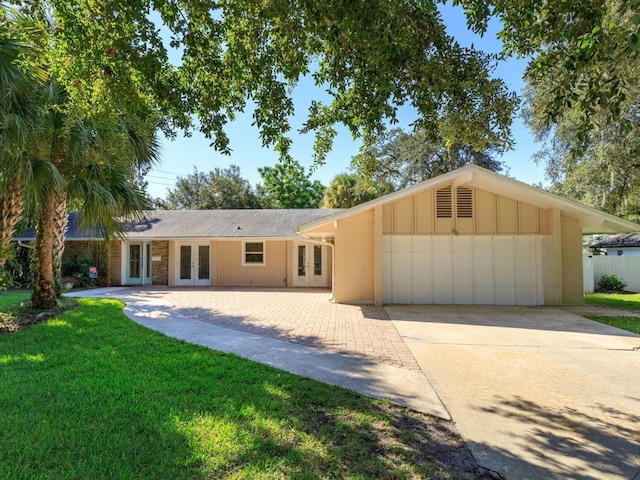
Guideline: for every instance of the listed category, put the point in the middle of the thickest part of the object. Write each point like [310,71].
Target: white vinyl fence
[625,267]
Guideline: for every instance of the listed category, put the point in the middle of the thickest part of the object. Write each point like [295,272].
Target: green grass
[91,394]
[616,300]
[10,297]
[632,324]
[625,301]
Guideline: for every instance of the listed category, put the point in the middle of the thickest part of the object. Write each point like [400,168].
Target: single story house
[622,244]
[470,236]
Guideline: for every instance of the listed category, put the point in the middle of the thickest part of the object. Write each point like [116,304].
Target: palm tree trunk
[60,225]
[11,208]
[44,295]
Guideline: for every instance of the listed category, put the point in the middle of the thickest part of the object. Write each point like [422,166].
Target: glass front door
[138,263]
[310,265]
[193,265]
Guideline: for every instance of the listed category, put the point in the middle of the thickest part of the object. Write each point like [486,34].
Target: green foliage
[217,189]
[580,53]
[350,189]
[90,394]
[611,283]
[367,57]
[78,268]
[601,169]
[401,159]
[287,185]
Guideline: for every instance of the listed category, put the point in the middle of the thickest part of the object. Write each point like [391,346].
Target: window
[253,253]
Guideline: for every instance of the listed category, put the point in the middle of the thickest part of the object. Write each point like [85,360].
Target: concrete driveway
[537,393]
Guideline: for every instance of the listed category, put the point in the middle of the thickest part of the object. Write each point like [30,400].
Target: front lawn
[616,300]
[91,394]
[627,301]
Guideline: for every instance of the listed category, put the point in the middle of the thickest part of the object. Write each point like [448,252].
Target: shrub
[611,283]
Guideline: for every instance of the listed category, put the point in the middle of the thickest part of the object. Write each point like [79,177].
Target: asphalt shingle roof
[621,240]
[203,224]
[222,223]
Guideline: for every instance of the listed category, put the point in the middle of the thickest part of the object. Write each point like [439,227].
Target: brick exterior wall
[115,263]
[160,270]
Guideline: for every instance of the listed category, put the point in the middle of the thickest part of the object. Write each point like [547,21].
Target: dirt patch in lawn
[16,317]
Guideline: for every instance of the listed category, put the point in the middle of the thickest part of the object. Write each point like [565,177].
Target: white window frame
[244,254]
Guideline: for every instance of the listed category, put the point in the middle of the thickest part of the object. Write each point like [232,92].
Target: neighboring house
[470,236]
[623,244]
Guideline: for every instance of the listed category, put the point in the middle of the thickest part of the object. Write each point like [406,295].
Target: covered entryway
[480,270]
[193,264]
[309,265]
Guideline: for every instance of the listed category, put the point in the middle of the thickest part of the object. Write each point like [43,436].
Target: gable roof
[591,220]
[622,240]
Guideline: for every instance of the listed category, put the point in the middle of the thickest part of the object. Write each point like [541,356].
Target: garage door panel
[505,296]
[442,295]
[402,261]
[443,278]
[462,260]
[422,294]
[484,295]
[463,295]
[401,244]
[483,261]
[442,245]
[503,270]
[525,296]
[422,244]
[441,261]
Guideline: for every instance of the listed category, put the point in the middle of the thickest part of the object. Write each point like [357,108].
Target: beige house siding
[355,259]
[572,281]
[229,271]
[493,214]
[160,269]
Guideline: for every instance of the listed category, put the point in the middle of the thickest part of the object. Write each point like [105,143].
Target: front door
[193,265]
[138,266]
[309,265]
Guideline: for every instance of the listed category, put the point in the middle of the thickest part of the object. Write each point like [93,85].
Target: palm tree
[19,78]
[92,162]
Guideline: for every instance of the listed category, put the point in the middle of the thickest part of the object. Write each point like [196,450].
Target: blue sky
[180,156]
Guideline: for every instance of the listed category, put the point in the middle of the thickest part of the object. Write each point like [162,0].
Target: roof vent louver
[464,202]
[444,204]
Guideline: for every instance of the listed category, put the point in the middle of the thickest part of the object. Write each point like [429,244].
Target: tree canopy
[579,53]
[218,189]
[401,159]
[288,185]
[198,63]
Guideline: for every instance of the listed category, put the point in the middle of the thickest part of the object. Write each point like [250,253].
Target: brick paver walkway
[304,316]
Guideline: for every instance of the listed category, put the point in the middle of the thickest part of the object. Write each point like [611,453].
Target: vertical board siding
[229,271]
[480,213]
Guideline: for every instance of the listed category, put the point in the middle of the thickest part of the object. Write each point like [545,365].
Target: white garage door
[474,270]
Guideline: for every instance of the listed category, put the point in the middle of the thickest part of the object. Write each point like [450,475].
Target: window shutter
[444,205]
[464,202]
